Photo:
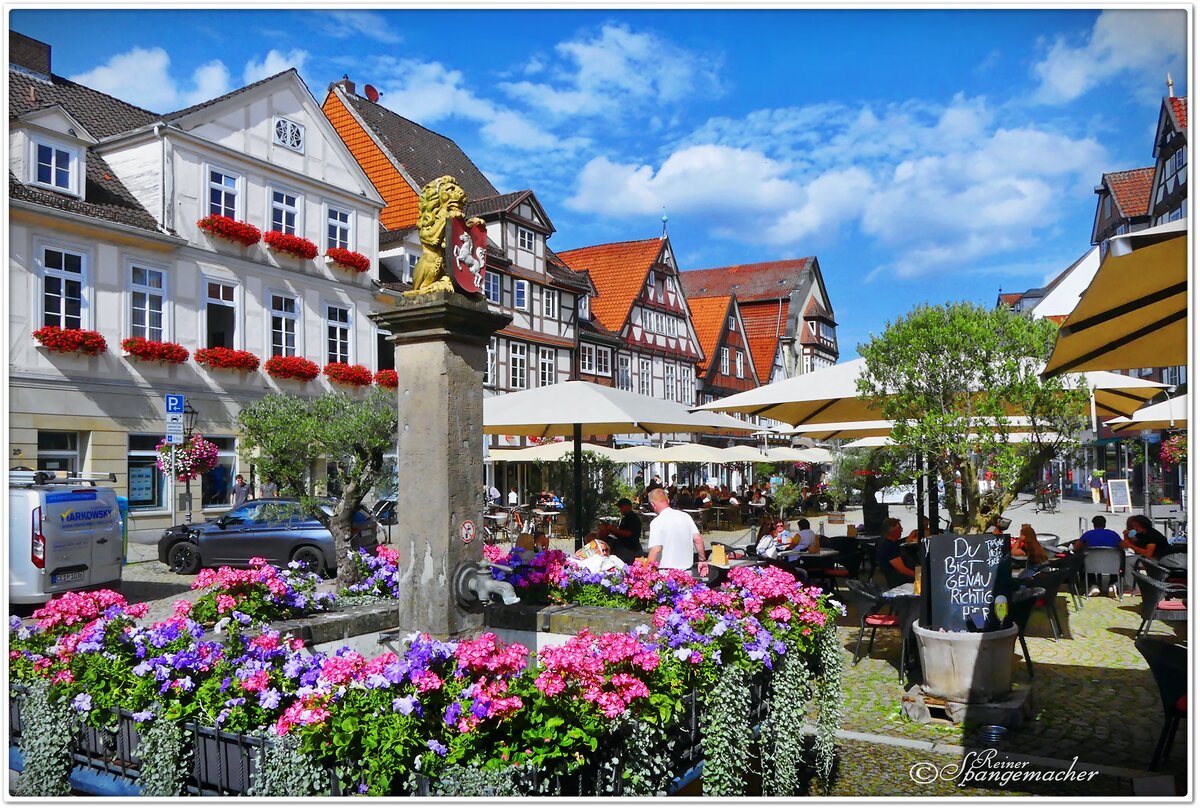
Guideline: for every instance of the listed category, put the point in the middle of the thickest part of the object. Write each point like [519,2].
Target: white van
[65,533]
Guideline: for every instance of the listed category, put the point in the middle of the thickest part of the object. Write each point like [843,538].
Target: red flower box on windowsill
[71,341]
[155,350]
[292,368]
[228,358]
[387,379]
[297,246]
[348,259]
[345,374]
[230,229]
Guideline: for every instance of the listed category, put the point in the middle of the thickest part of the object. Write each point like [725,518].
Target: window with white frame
[587,358]
[58,451]
[739,365]
[337,228]
[669,382]
[222,193]
[285,315]
[585,307]
[220,311]
[725,361]
[732,323]
[518,355]
[521,295]
[603,361]
[489,371]
[146,303]
[337,333]
[687,384]
[547,366]
[63,278]
[1175,375]
[410,267]
[645,377]
[624,372]
[289,134]
[550,302]
[56,166]
[826,332]
[525,239]
[808,363]
[491,286]
[284,211]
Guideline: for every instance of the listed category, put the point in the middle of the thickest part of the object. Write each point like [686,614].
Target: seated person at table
[541,542]
[625,539]
[805,536]
[684,499]
[888,557]
[757,498]
[1027,545]
[1099,536]
[779,539]
[994,526]
[1144,539]
[551,501]
[766,527]
[703,498]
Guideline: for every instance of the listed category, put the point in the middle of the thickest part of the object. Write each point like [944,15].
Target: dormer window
[585,308]
[289,134]
[525,239]
[55,165]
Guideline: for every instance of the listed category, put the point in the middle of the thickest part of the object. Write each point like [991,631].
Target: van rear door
[82,530]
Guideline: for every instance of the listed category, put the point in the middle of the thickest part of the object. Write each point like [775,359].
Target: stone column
[441,352]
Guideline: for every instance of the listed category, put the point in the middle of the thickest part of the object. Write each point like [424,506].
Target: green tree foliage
[602,486]
[952,377]
[284,436]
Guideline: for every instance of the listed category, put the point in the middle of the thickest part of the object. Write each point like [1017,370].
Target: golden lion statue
[441,200]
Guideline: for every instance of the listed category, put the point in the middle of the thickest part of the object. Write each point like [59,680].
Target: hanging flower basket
[230,229]
[227,358]
[297,246]
[348,259]
[193,457]
[387,379]
[1173,451]
[292,368]
[71,341]
[344,374]
[155,350]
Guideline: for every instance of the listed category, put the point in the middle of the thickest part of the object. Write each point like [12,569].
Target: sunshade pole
[578,486]
[920,483]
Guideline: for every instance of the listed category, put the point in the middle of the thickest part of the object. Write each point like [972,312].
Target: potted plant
[155,350]
[344,374]
[292,368]
[227,358]
[71,341]
[230,229]
[191,459]
[387,378]
[297,246]
[348,259]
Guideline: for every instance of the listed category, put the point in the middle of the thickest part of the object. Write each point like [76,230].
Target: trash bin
[123,507]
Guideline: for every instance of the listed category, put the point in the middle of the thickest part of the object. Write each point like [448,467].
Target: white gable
[57,120]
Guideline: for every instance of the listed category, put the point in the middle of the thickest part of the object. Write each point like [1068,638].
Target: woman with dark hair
[1143,538]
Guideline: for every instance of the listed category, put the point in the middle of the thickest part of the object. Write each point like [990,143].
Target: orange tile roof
[1179,110]
[768,280]
[764,323]
[618,271]
[1131,190]
[708,319]
[1009,298]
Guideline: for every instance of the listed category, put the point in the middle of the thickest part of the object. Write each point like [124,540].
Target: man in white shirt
[673,534]
[513,499]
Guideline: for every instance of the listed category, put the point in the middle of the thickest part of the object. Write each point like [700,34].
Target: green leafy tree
[284,436]
[952,377]
[601,485]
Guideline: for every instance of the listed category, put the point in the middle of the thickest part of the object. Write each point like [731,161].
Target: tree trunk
[342,529]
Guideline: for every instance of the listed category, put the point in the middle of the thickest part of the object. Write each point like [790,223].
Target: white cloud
[1136,46]
[615,72]
[142,76]
[274,62]
[355,24]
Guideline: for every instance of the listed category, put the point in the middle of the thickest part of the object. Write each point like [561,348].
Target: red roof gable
[765,323]
[708,319]
[618,271]
[1179,110]
[1131,190]
[1009,298]
[768,280]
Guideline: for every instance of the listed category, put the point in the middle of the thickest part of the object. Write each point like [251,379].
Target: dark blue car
[277,529]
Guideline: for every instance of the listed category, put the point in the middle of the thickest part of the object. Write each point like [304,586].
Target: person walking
[673,534]
[1096,483]
[241,491]
[269,488]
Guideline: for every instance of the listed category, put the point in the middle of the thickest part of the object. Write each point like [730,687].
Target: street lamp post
[190,415]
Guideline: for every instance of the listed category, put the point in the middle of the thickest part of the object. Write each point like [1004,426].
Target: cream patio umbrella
[554,451]
[571,408]
[807,455]
[1134,312]
[1169,415]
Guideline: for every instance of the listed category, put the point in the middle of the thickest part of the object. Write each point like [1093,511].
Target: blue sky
[920,155]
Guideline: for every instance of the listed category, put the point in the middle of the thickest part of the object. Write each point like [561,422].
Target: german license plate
[63,578]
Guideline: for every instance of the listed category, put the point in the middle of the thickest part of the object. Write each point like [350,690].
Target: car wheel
[311,558]
[184,558]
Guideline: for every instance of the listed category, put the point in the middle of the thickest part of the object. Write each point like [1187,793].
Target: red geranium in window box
[230,229]
[297,246]
[292,368]
[155,350]
[221,357]
[345,374]
[348,259]
[387,379]
[71,341]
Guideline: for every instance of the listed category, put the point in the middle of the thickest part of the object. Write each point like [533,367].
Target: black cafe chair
[1169,664]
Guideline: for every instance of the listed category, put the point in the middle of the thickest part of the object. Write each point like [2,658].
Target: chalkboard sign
[964,575]
[1118,495]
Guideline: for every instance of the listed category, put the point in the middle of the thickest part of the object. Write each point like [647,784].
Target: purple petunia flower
[436,746]
[453,711]
[143,716]
[82,703]
[269,699]
[405,705]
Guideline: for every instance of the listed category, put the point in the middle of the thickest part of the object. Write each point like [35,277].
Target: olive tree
[284,436]
[953,377]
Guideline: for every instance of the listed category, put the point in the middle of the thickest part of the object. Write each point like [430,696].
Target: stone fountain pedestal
[441,353]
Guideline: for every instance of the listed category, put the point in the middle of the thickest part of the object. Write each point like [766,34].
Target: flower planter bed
[231,230]
[155,350]
[227,358]
[295,246]
[297,368]
[71,341]
[387,378]
[348,259]
[350,375]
